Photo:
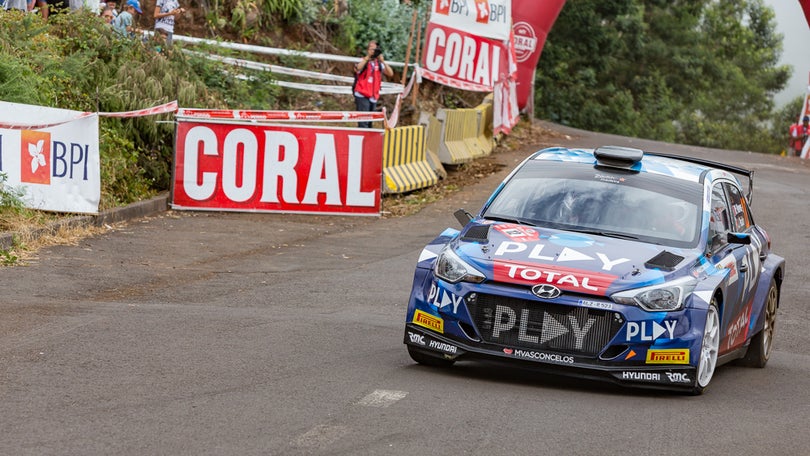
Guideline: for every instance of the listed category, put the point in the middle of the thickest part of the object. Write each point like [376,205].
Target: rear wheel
[760,348]
[708,349]
[428,360]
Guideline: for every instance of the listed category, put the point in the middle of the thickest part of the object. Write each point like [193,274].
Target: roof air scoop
[618,157]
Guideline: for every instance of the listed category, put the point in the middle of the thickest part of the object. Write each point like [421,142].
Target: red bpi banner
[531,22]
[277,168]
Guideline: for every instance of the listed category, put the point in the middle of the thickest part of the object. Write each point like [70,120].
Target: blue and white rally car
[636,267]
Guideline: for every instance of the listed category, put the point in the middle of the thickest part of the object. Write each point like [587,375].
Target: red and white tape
[162,109]
[454,83]
[391,122]
[311,116]
[30,126]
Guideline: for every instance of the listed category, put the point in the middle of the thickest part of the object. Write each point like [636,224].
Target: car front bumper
[668,377]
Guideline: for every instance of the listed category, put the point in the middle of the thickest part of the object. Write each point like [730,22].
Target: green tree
[696,71]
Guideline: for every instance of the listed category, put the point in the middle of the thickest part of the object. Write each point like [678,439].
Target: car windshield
[611,202]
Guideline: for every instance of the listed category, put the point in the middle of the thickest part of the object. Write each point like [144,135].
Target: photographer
[368,79]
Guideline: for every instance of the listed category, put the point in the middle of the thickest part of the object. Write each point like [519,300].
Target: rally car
[636,267]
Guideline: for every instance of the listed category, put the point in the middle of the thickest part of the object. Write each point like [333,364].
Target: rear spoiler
[748,173]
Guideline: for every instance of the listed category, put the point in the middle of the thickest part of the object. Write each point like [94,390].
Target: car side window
[740,215]
[719,222]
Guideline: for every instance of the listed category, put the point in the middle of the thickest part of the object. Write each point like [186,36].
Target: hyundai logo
[546,291]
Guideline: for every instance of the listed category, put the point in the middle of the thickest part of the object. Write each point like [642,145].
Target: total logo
[737,331]
[650,330]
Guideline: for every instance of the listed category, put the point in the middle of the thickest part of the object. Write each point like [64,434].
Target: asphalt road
[207,333]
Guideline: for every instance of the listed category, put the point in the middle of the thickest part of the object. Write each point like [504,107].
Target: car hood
[576,262]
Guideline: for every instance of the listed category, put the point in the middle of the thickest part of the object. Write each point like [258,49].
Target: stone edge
[135,210]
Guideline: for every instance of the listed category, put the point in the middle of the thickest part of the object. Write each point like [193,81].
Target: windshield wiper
[612,234]
[495,218]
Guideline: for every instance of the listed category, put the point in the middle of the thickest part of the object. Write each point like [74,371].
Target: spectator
[21,5]
[165,13]
[107,15]
[798,135]
[368,80]
[44,8]
[123,23]
[50,7]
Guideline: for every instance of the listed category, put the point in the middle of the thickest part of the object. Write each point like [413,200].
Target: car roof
[652,163]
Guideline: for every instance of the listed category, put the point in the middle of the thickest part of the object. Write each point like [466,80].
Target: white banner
[56,167]
[486,18]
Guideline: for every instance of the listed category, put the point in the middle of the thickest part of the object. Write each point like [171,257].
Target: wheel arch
[778,277]
[717,297]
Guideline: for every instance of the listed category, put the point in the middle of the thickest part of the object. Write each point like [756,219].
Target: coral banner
[460,58]
[249,167]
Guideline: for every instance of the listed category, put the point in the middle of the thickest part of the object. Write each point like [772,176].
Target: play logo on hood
[35,157]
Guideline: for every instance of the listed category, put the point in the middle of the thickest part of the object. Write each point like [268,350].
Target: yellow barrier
[405,167]
[484,133]
[433,143]
[470,133]
[453,150]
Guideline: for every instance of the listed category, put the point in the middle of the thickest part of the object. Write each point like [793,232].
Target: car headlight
[661,297]
[451,268]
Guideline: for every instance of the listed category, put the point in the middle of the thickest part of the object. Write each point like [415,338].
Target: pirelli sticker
[668,356]
[428,321]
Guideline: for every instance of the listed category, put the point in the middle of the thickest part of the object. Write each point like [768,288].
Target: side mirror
[463,217]
[738,238]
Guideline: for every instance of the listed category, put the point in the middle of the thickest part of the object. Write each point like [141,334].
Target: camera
[377,52]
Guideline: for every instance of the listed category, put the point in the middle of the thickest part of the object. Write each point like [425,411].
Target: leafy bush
[386,21]
[76,62]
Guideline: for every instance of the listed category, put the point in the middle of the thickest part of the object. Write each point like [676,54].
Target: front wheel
[760,348]
[708,349]
[428,360]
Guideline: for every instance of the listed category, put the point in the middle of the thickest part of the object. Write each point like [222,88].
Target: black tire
[428,360]
[759,350]
[709,348]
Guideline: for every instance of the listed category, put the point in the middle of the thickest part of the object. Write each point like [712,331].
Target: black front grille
[536,325]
